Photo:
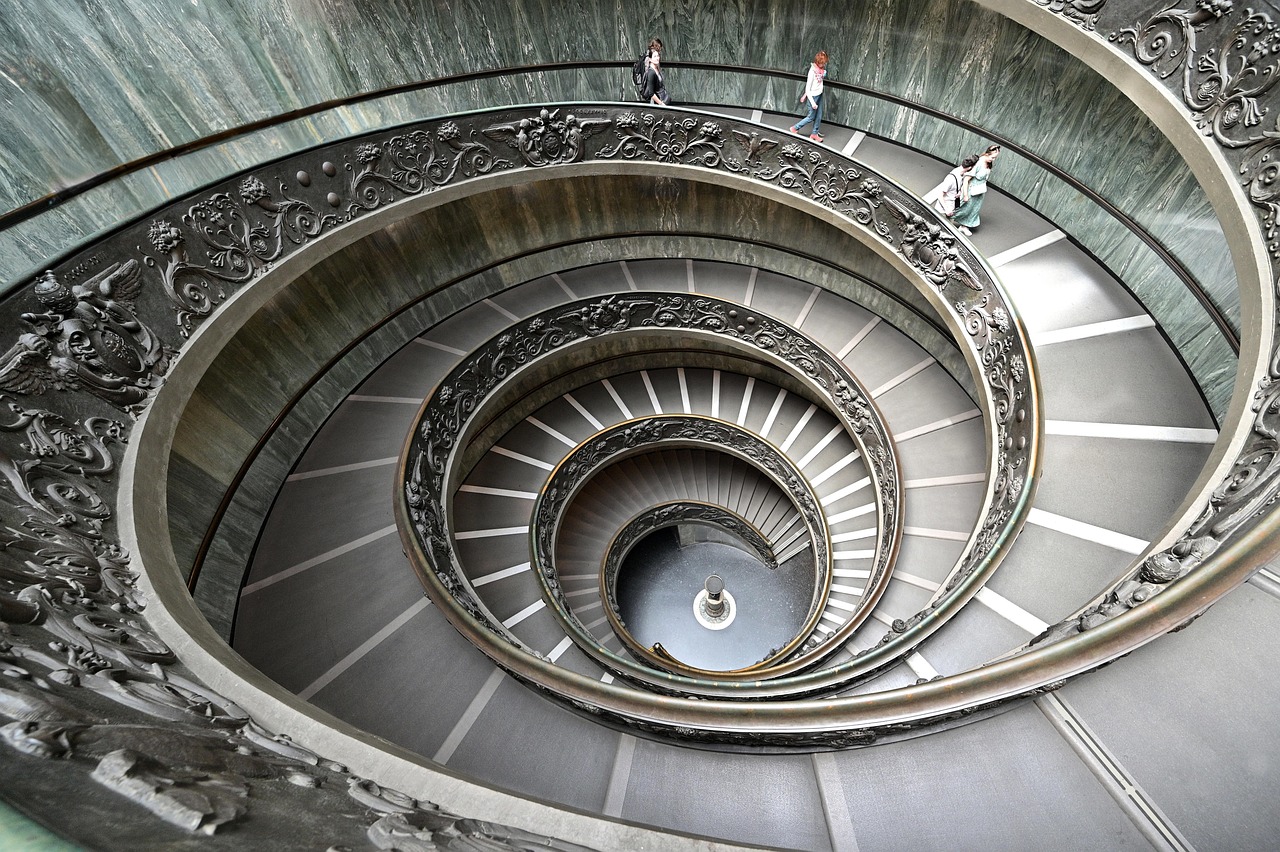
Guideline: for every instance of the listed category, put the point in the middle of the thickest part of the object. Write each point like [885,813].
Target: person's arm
[649,86]
[809,84]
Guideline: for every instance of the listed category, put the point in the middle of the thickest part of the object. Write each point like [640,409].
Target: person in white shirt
[948,195]
[813,96]
[966,216]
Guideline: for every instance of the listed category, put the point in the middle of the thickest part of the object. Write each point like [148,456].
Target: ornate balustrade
[885,214]
[148,288]
[73,398]
[148,291]
[467,397]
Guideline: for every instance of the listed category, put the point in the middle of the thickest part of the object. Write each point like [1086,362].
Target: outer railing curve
[152,286]
[70,525]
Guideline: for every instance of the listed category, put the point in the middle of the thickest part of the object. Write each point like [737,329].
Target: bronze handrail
[986,322]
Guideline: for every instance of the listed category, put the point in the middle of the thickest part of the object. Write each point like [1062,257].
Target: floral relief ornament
[840,187]
[691,141]
[192,290]
[91,337]
[415,162]
[1222,85]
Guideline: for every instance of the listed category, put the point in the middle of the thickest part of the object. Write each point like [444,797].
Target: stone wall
[93,86]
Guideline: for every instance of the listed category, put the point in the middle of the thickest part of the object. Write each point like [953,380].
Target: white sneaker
[966,231]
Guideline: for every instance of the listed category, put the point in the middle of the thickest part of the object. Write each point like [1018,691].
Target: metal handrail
[887,217]
[850,721]
[449,417]
[262,441]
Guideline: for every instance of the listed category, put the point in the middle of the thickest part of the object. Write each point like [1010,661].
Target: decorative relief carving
[754,145]
[832,184]
[806,170]
[192,291]
[64,578]
[239,243]
[415,162]
[1222,85]
[462,393]
[1261,170]
[1083,12]
[547,139]
[87,681]
[911,229]
[65,554]
[88,337]
[933,251]
[408,825]
[667,139]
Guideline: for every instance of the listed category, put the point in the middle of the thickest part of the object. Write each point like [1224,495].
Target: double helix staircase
[971,596]
[331,608]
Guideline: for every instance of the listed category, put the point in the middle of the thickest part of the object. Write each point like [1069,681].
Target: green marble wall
[87,85]
[20,834]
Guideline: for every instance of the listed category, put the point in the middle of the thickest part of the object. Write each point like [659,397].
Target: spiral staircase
[382,495]
[296,621]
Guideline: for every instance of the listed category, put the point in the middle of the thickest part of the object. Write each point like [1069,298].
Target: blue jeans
[815,115]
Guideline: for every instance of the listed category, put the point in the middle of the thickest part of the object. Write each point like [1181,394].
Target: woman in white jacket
[813,94]
[947,196]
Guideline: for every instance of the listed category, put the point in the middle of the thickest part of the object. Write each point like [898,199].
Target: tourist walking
[946,196]
[653,88]
[966,216]
[813,97]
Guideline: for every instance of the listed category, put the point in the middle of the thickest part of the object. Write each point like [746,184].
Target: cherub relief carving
[88,337]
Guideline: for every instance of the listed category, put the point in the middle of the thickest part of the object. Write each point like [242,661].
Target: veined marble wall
[88,85]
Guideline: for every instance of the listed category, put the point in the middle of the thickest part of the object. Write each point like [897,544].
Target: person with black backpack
[646,74]
[947,196]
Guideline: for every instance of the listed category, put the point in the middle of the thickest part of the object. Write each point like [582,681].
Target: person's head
[969,162]
[820,59]
[655,45]
[991,153]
